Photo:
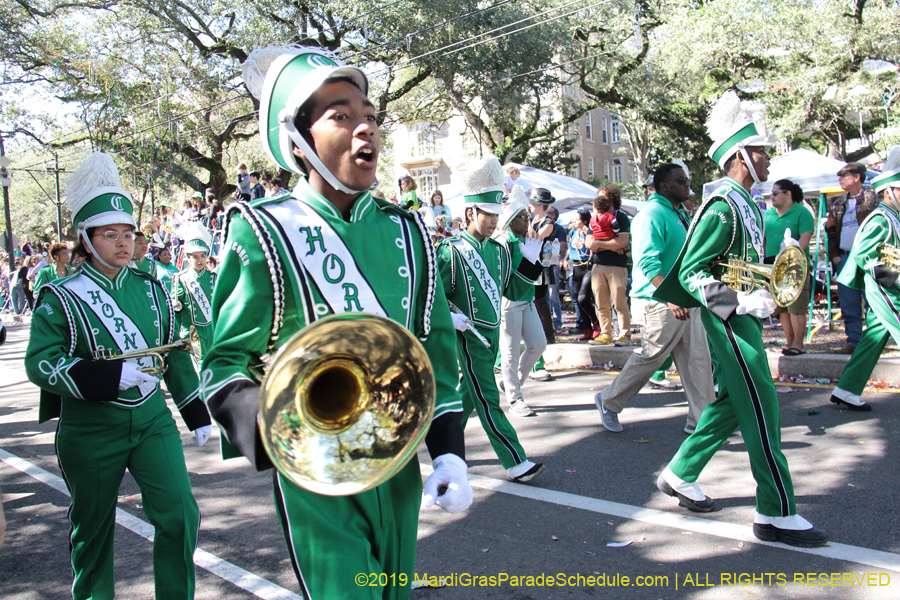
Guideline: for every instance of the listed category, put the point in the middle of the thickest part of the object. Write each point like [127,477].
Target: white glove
[759,304]
[450,471]
[176,306]
[460,322]
[201,434]
[132,376]
[531,249]
[788,240]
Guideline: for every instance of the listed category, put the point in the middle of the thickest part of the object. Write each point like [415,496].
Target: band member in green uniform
[165,270]
[330,248]
[476,271]
[730,225]
[141,261]
[59,253]
[868,271]
[192,288]
[112,416]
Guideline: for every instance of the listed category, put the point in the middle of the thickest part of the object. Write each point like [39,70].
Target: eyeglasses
[113,236]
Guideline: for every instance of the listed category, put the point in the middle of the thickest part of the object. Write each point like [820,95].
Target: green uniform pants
[478,390]
[353,547]
[861,364]
[746,399]
[95,443]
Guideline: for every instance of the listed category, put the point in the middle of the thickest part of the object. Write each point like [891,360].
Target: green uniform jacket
[717,233]
[84,313]
[266,293]
[865,267]
[48,274]
[147,265]
[195,293]
[658,233]
[165,274]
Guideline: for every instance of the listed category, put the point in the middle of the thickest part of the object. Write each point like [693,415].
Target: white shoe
[524,471]
[541,375]
[664,384]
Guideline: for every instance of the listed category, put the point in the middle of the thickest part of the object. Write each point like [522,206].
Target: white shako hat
[283,78]
[195,236]
[516,203]
[483,185]
[733,125]
[890,175]
[95,196]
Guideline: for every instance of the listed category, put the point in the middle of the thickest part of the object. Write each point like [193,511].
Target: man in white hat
[519,321]
[476,271]
[730,225]
[329,248]
[868,270]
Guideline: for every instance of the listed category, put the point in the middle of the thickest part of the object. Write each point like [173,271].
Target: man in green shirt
[659,231]
[729,225]
[59,254]
[867,270]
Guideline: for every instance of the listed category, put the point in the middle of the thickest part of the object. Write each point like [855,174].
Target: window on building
[591,167]
[470,143]
[614,126]
[605,132]
[617,171]
[426,181]
[575,171]
[606,170]
[588,127]
[423,140]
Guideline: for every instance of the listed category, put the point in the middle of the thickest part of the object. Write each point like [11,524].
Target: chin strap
[87,243]
[750,165]
[314,160]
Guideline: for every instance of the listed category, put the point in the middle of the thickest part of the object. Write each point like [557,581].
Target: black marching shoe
[844,404]
[804,538]
[701,506]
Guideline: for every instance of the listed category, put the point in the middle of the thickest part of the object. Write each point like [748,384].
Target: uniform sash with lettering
[200,298]
[123,331]
[752,223]
[479,269]
[325,257]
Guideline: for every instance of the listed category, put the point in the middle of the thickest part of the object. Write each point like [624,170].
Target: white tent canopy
[812,172]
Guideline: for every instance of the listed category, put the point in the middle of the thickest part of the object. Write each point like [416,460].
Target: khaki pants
[609,281]
[662,334]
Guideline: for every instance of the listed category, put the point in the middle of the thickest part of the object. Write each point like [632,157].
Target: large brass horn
[191,344]
[346,403]
[889,255]
[784,278]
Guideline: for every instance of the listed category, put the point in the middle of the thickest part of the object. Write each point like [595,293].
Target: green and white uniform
[48,274]
[145,265]
[285,263]
[104,431]
[165,274]
[728,225]
[193,291]
[475,277]
[867,272]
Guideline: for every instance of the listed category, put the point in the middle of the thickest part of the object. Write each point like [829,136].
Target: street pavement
[598,489]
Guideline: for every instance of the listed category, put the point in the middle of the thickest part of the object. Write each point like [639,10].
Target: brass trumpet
[889,255]
[346,403]
[191,344]
[784,278]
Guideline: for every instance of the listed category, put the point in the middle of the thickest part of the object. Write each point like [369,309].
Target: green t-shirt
[798,219]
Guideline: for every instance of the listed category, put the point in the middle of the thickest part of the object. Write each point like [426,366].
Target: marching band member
[141,261]
[192,288]
[329,247]
[476,271]
[868,271]
[112,416]
[730,225]
[59,254]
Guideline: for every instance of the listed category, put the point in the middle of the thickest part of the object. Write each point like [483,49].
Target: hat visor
[546,202]
[494,209]
[114,217]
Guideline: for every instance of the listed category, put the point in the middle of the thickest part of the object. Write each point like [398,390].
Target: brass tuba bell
[784,278]
[889,255]
[345,403]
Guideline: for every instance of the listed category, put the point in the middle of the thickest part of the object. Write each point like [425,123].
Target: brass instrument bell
[784,279]
[889,255]
[345,403]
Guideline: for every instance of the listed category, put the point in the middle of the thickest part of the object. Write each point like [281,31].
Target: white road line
[245,580]
[855,554]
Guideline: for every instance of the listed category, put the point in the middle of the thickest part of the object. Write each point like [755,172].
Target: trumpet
[345,403]
[889,255]
[191,344]
[784,279]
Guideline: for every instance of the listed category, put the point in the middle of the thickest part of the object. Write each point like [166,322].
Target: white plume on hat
[257,64]
[517,194]
[725,113]
[98,170]
[483,175]
[684,167]
[193,230]
[893,160]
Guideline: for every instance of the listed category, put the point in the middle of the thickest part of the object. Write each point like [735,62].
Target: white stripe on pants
[662,334]
[519,323]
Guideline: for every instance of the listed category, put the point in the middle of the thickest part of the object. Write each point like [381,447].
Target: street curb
[821,366]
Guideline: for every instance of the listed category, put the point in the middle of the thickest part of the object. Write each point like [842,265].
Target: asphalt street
[598,489]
